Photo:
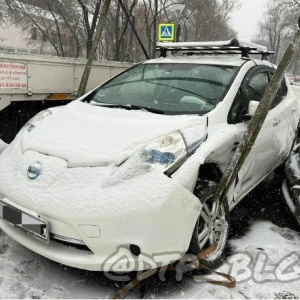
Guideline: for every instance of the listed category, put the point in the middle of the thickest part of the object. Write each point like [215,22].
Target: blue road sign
[166,32]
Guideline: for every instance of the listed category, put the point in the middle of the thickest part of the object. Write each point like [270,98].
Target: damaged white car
[135,162]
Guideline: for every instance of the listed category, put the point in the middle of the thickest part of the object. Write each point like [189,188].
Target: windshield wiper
[130,107]
[150,109]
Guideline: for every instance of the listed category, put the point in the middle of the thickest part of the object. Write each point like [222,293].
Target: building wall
[12,39]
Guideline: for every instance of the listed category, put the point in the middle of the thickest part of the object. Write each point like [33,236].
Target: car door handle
[276,122]
[294,108]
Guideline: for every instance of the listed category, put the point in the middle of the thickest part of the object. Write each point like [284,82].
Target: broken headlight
[164,154]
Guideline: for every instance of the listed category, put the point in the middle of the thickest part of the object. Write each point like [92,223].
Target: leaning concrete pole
[256,122]
[98,32]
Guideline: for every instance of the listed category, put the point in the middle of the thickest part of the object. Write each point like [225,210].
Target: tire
[212,224]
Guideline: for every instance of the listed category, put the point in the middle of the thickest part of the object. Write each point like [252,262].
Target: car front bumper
[152,211]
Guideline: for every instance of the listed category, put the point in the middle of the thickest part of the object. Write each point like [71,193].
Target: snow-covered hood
[88,135]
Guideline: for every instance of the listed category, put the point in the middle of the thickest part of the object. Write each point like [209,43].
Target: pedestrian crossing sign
[166,32]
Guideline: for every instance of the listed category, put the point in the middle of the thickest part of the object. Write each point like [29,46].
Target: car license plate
[26,222]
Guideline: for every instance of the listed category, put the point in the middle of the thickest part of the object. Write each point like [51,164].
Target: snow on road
[265,262]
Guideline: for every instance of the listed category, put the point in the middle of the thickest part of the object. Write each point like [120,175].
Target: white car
[134,163]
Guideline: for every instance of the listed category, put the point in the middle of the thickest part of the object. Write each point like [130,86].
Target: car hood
[86,135]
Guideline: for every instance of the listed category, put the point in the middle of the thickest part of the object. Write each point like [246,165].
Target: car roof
[230,60]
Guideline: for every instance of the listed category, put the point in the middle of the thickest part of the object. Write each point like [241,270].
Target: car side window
[280,95]
[252,88]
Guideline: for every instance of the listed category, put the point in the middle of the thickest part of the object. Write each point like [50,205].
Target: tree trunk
[96,39]
[120,38]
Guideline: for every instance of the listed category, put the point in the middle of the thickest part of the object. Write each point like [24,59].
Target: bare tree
[200,20]
[95,43]
[69,26]
[90,14]
[208,20]
[121,30]
[278,26]
[48,21]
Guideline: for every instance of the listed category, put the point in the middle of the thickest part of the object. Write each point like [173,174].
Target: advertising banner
[13,76]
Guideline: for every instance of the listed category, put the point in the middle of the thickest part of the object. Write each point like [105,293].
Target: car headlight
[37,119]
[164,154]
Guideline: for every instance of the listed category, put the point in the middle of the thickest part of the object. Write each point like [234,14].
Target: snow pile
[265,263]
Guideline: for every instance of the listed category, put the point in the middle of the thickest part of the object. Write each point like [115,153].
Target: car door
[263,156]
[286,115]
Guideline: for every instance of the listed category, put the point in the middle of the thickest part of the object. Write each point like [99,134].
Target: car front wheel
[212,225]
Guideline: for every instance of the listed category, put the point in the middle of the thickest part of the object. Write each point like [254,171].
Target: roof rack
[232,46]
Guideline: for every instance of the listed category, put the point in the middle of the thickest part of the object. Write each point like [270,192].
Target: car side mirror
[252,107]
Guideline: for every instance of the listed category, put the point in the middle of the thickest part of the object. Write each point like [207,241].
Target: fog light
[135,250]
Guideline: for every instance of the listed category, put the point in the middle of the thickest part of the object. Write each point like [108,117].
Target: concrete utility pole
[98,32]
[256,122]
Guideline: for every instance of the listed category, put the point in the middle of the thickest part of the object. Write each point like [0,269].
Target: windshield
[169,88]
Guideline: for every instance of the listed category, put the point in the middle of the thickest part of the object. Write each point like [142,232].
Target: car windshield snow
[173,88]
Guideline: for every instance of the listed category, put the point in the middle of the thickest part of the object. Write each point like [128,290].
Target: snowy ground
[264,258]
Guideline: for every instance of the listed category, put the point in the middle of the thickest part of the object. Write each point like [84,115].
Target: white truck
[30,83]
